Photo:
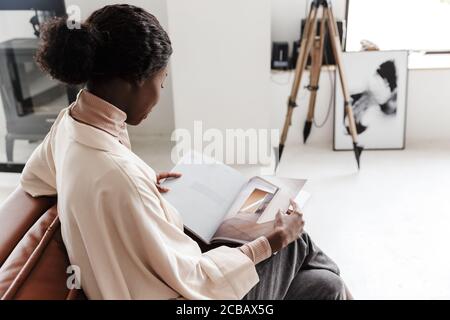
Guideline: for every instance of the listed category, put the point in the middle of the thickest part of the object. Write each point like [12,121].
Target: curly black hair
[115,41]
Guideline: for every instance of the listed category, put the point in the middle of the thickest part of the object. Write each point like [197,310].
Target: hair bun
[67,54]
[116,41]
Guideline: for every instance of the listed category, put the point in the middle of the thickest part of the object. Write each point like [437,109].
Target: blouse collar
[96,112]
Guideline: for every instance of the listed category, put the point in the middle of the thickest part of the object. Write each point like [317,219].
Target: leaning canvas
[377,82]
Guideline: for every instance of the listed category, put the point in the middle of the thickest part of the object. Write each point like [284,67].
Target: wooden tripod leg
[305,48]
[314,78]
[316,65]
[337,50]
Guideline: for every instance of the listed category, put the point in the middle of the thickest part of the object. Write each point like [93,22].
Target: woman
[126,239]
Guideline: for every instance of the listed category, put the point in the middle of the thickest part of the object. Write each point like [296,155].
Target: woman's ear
[137,84]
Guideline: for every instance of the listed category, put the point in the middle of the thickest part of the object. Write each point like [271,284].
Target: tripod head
[318,3]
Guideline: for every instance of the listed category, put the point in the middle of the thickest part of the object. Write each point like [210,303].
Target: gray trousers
[300,271]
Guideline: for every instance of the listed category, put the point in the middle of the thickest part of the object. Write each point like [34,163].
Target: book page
[204,193]
[302,198]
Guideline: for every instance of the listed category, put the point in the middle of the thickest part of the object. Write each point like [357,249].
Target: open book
[219,204]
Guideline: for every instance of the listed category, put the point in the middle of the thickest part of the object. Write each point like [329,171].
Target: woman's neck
[115,91]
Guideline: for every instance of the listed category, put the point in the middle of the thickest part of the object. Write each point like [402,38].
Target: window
[421,25]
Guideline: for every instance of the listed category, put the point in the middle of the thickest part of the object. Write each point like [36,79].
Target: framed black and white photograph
[377,83]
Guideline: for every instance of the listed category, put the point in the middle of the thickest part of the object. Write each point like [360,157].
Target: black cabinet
[31,99]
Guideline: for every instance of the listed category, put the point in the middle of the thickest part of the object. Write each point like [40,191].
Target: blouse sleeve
[145,226]
[39,175]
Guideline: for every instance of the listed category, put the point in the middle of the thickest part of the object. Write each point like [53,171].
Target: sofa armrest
[17,214]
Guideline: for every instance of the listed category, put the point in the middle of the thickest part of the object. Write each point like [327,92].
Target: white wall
[220,64]
[428,110]
[14,24]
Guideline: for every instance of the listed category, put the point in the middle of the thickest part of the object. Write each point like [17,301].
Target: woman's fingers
[162,189]
[294,205]
[165,175]
[279,218]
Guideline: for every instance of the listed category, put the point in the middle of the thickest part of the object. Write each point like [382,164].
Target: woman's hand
[165,175]
[287,228]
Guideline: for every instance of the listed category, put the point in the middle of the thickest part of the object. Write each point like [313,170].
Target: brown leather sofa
[33,259]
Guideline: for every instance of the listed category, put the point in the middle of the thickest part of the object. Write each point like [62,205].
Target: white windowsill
[421,61]
[417,61]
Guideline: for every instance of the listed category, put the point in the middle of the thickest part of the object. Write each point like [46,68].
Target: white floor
[386,226]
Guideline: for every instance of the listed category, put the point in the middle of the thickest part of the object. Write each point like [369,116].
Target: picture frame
[377,83]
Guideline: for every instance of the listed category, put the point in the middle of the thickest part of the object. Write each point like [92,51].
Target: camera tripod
[311,45]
